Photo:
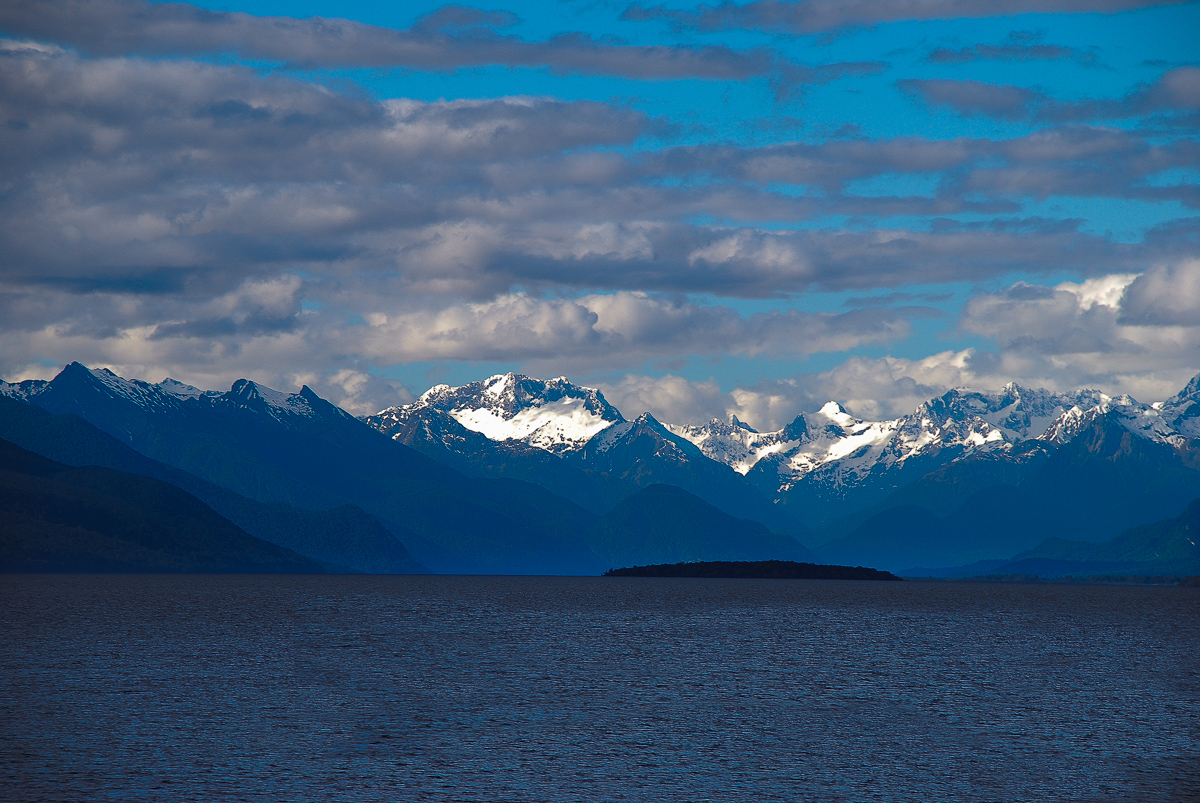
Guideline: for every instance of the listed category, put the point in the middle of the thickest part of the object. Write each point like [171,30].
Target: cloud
[1121,333]
[1020,46]
[1136,333]
[669,398]
[975,175]
[875,389]
[204,221]
[449,38]
[815,16]
[179,177]
[262,329]
[256,308]
[1066,319]
[974,97]
[1176,93]
[673,399]
[1152,369]
[888,387]
[614,330]
[1165,295]
[257,330]
[1076,160]
[357,392]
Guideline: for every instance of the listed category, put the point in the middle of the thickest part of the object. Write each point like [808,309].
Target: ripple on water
[543,689]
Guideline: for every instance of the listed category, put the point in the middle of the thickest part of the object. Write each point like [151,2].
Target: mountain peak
[76,376]
[739,424]
[244,388]
[180,390]
[251,395]
[837,414]
[496,385]
[555,415]
[1190,392]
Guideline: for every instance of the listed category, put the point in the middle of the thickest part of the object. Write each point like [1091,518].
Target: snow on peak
[606,438]
[551,414]
[179,390]
[169,395]
[1181,412]
[735,444]
[24,390]
[495,385]
[277,404]
[832,442]
[835,412]
[432,393]
[143,394]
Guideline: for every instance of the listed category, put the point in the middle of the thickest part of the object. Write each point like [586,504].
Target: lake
[305,688]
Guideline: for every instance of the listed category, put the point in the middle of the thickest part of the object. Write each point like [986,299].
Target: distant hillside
[663,524]
[760,570]
[1101,482]
[516,475]
[344,536]
[57,518]
[1165,547]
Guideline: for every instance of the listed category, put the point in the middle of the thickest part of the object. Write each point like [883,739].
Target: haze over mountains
[523,475]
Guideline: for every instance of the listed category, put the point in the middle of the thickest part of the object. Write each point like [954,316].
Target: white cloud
[1165,295]
[612,330]
[671,399]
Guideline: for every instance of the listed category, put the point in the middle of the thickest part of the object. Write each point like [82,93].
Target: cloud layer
[815,16]
[449,38]
[130,182]
[191,197]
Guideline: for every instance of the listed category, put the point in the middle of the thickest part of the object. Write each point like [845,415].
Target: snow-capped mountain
[1181,412]
[300,450]
[510,425]
[833,444]
[76,383]
[829,447]
[554,415]
[645,452]
[1172,422]
[494,466]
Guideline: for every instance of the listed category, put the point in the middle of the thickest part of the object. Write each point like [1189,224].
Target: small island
[754,569]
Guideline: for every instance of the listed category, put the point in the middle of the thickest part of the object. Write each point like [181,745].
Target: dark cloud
[619,330]
[447,39]
[815,16]
[1063,320]
[145,176]
[751,262]
[1166,295]
[1175,93]
[1020,46]
[181,217]
[1079,161]
[1136,332]
[974,97]
[978,175]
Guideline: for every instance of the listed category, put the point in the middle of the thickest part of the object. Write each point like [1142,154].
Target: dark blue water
[542,689]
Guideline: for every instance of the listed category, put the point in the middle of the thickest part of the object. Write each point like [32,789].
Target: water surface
[140,688]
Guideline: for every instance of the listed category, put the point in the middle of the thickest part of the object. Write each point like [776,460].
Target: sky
[704,210]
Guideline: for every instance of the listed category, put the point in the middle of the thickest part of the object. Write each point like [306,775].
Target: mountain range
[515,474]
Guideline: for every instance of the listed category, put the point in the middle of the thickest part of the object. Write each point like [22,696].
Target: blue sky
[744,208]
